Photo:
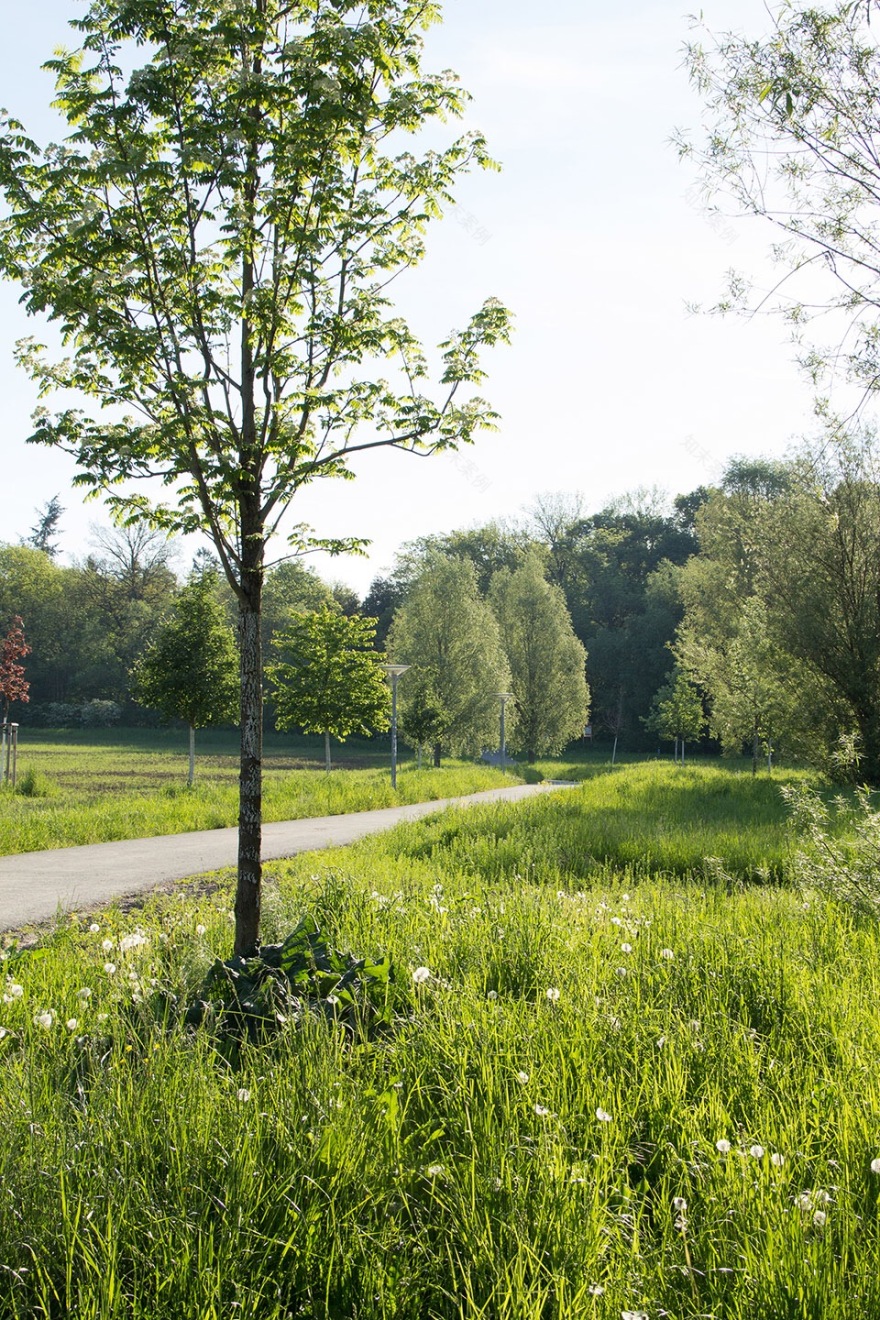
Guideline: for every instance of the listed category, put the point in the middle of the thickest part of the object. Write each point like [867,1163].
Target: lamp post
[393,672]
[503,697]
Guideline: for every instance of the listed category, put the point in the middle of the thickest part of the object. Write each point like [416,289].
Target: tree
[45,530]
[13,684]
[424,720]
[677,711]
[330,680]
[448,633]
[746,678]
[215,240]
[792,136]
[551,698]
[782,604]
[189,671]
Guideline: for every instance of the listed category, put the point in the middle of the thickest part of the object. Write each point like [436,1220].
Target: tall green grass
[643,818]
[599,1097]
[133,786]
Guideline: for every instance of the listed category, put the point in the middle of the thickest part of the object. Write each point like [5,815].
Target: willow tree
[214,241]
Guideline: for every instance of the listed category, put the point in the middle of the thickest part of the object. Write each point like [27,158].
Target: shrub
[842,854]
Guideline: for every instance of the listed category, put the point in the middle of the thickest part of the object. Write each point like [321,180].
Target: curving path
[35,887]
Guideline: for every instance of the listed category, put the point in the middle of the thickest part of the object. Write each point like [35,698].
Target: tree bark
[192,755]
[327,765]
[437,751]
[250,784]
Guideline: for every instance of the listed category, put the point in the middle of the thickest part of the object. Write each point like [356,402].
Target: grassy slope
[460,1168]
[132,784]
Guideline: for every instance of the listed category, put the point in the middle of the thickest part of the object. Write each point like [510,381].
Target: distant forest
[762,593]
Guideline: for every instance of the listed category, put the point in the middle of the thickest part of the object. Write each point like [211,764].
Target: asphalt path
[37,886]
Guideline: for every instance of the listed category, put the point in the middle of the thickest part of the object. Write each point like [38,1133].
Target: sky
[593,235]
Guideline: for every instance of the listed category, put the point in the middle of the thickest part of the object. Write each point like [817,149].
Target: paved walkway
[36,886]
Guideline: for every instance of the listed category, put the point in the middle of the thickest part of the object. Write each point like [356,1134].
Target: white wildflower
[109,968]
[71,1024]
[722,1145]
[626,948]
[434,1171]
[756,1151]
[875,1166]
[552,994]
[107,946]
[522,1077]
[94,928]
[421,975]
[243,1095]
[201,930]
[85,994]
[131,941]
[603,1115]
[543,1112]
[777,1160]
[595,1290]
[45,1019]
[667,954]
[819,1218]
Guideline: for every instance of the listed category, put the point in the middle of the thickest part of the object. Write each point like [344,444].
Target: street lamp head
[505,696]
[395,671]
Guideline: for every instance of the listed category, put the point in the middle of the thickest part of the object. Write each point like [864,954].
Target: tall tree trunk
[327,765]
[755,753]
[250,784]
[190,779]
[437,751]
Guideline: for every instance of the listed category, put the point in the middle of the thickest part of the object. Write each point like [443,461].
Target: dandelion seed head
[722,1145]
[421,975]
[45,1019]
[542,1111]
[777,1160]
[621,971]
[71,1024]
[603,1115]
[552,994]
[493,994]
[819,1218]
[875,1166]
[756,1151]
[679,1204]
[243,1095]
[107,946]
[14,991]
[201,930]
[626,948]
[804,1200]
[94,928]
[661,1042]
[595,1290]
[131,942]
[109,968]
[667,954]
[85,994]
[522,1077]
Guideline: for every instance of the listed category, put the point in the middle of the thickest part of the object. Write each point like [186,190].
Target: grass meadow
[615,1084]
[125,784]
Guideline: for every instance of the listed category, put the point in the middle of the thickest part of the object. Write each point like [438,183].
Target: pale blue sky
[589,235]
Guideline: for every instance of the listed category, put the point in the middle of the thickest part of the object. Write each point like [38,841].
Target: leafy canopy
[190,670]
[329,679]
[214,241]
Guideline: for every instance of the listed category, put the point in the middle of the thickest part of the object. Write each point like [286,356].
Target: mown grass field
[125,784]
[606,1092]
